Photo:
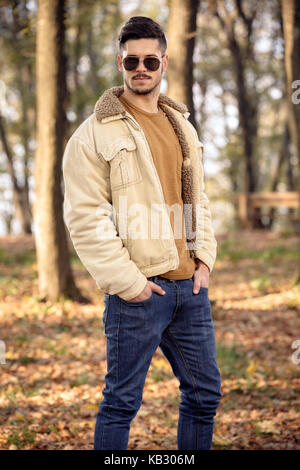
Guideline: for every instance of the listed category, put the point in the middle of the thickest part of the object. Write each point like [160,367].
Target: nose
[140,66]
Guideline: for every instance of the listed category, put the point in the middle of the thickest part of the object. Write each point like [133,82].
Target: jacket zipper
[154,168]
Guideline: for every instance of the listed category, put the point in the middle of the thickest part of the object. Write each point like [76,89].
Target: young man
[128,166]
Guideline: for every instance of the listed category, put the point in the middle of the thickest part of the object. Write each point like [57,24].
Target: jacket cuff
[197,259]
[202,256]
[135,289]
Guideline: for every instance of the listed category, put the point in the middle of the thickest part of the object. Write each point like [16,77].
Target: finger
[157,288]
[196,286]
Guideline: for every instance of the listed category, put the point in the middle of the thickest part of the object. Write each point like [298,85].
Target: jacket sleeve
[206,244]
[88,215]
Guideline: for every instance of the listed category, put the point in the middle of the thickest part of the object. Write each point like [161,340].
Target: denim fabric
[181,323]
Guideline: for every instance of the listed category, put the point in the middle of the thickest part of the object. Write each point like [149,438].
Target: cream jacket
[110,180]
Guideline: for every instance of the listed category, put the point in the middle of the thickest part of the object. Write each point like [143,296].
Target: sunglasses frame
[143,60]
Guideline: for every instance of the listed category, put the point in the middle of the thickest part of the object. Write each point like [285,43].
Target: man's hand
[147,292]
[201,276]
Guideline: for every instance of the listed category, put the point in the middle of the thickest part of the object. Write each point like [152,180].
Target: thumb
[157,288]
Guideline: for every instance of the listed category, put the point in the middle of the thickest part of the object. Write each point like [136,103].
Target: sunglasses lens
[151,63]
[130,63]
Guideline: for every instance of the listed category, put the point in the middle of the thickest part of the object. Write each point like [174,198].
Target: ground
[53,376]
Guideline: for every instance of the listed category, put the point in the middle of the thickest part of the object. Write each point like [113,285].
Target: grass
[50,347]
[24,258]
[229,250]
[26,359]
[81,379]
[21,437]
[159,375]
[22,338]
[231,362]
[261,283]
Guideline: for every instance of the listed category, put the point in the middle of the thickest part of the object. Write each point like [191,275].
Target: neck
[147,102]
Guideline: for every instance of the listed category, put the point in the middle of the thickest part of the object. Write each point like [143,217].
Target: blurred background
[235,63]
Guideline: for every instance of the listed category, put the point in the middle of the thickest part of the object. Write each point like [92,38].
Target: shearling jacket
[111,184]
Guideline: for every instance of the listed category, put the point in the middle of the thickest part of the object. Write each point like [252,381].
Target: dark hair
[139,27]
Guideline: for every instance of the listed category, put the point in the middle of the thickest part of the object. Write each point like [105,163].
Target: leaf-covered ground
[51,383]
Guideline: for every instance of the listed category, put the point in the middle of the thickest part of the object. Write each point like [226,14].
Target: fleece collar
[109,105]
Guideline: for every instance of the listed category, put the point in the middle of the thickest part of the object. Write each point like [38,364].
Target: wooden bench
[247,205]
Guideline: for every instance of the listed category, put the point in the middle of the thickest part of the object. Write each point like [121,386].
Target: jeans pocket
[203,289]
[139,302]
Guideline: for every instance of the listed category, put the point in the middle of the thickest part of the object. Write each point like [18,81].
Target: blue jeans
[181,324]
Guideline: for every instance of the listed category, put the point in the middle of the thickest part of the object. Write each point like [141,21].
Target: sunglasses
[151,63]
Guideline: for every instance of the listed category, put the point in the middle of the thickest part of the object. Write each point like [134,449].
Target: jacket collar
[109,105]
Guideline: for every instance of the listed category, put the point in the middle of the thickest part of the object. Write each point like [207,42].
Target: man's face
[142,81]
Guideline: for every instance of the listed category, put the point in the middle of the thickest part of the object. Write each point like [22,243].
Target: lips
[141,78]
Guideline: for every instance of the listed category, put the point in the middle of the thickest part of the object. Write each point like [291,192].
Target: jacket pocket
[124,168]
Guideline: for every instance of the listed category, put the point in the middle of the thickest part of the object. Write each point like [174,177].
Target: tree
[181,42]
[91,53]
[291,31]
[55,275]
[17,44]
[242,54]
[20,193]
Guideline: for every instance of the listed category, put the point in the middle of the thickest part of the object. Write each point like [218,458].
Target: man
[130,164]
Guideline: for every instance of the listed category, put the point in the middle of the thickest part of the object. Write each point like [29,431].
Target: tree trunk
[282,157]
[20,194]
[78,105]
[246,98]
[182,30]
[24,85]
[291,29]
[55,275]
[24,81]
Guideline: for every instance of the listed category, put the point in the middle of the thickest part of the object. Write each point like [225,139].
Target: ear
[120,65]
[165,62]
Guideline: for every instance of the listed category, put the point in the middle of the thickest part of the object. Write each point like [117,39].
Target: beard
[144,91]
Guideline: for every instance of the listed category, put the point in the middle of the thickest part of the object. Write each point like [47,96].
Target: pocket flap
[115,146]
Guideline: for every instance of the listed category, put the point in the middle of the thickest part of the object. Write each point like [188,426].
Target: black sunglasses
[151,63]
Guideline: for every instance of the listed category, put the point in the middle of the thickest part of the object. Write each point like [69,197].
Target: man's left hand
[201,276]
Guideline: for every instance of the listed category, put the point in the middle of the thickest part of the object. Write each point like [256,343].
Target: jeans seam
[191,376]
[118,363]
[102,440]
[186,365]
[176,310]
[118,329]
